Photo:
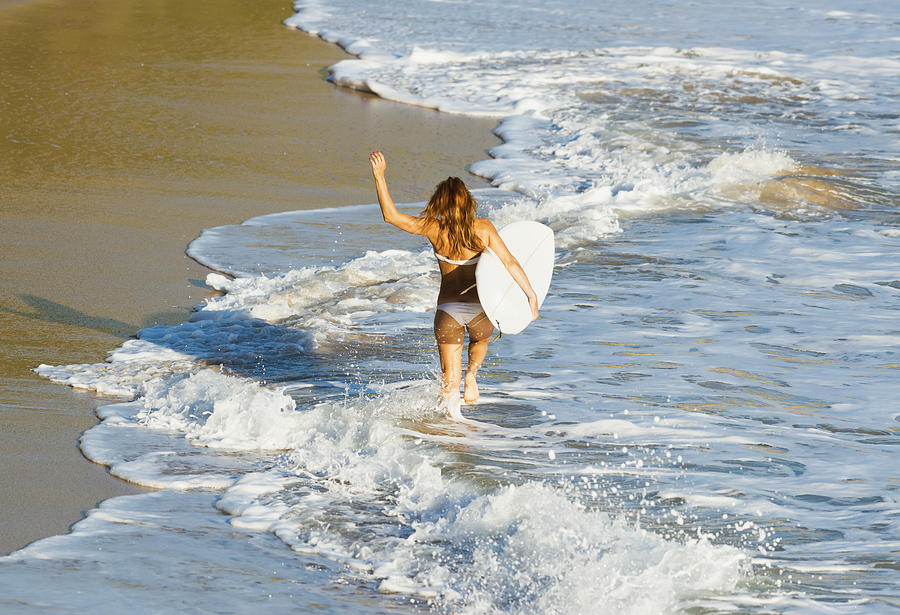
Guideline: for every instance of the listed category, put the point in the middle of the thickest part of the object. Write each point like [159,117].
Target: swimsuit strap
[470,261]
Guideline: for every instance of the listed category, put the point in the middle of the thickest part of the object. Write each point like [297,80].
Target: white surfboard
[505,304]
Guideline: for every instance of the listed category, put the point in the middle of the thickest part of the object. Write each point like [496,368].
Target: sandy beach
[127,128]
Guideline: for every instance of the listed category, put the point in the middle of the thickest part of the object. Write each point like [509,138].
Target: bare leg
[451,372]
[479,335]
[449,335]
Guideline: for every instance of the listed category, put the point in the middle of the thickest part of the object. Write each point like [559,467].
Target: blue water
[704,419]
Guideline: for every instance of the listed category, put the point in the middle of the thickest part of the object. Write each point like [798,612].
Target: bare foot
[450,406]
[471,395]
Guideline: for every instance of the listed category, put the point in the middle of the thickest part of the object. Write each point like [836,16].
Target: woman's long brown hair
[452,207]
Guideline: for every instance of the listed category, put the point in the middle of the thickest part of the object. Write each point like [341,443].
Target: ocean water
[703,420]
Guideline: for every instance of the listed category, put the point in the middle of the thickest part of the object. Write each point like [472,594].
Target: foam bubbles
[749,166]
[526,549]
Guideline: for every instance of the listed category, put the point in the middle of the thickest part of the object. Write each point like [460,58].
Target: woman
[458,238]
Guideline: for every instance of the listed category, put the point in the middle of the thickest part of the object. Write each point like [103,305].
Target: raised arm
[495,243]
[410,224]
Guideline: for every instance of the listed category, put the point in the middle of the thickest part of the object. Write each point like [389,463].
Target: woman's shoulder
[483,224]
[431,229]
[485,231]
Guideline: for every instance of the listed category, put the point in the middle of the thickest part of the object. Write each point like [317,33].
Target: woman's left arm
[410,224]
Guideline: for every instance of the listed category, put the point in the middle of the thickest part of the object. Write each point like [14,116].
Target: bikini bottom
[462,312]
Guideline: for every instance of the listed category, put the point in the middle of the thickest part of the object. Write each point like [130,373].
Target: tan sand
[126,127]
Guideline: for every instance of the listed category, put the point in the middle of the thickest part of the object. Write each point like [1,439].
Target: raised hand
[379,164]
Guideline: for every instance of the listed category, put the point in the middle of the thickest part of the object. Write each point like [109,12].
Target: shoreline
[101,190]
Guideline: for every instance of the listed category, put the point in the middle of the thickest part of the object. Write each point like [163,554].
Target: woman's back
[458,276]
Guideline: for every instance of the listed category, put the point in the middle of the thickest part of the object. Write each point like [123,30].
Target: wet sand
[125,129]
